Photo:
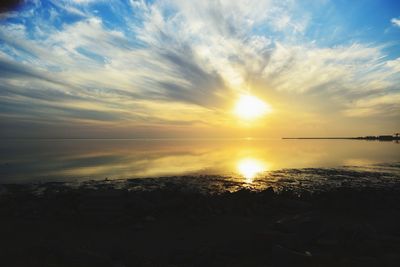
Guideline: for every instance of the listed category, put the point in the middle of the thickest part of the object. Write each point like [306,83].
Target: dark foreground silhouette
[105,226]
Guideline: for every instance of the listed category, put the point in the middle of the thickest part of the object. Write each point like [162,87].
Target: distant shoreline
[319,138]
[372,138]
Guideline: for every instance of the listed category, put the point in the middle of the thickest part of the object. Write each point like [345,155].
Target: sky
[176,68]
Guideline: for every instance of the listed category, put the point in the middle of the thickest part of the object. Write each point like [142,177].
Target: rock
[296,204]
[3,190]
[138,226]
[285,256]
[367,261]
[391,260]
[267,193]
[326,242]
[305,224]
[149,219]
[180,257]
[118,264]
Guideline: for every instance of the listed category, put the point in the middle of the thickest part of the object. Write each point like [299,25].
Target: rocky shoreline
[111,224]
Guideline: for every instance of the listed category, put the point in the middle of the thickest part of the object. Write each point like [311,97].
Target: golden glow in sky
[224,66]
[249,107]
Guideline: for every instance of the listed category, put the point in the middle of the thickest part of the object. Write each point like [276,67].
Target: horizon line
[137,138]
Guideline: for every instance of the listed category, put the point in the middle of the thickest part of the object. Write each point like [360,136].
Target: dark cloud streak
[12,69]
[203,85]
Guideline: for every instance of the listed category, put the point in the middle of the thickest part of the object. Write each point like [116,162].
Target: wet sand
[160,222]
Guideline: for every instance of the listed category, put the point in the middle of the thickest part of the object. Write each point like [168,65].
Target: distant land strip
[394,137]
[319,138]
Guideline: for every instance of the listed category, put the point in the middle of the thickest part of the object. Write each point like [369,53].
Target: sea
[248,162]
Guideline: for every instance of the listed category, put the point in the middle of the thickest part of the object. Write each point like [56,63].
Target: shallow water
[245,159]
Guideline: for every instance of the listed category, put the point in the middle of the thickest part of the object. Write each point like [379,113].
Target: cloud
[11,70]
[84,1]
[145,62]
[395,22]
[387,105]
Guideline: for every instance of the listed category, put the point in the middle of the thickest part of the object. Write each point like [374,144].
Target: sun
[249,107]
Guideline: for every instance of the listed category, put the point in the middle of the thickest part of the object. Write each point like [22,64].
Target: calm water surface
[78,160]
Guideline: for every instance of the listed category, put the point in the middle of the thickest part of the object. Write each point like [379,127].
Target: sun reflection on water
[249,168]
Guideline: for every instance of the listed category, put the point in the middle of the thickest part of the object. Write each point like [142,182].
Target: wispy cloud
[174,62]
[395,22]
